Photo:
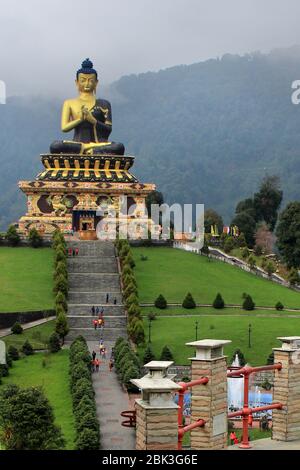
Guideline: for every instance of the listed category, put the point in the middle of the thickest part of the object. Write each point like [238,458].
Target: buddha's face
[87,82]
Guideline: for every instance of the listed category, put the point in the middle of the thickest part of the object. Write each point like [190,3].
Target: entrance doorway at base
[84,221]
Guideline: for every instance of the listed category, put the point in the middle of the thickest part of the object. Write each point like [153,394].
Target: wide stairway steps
[93,274]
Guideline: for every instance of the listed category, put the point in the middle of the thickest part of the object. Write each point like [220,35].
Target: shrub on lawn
[121,349]
[79,371]
[17,329]
[132,300]
[245,253]
[136,330]
[129,260]
[134,311]
[279,306]
[54,343]
[12,236]
[13,353]
[82,389]
[251,262]
[4,370]
[83,407]
[270,268]
[9,360]
[127,363]
[270,359]
[294,277]
[130,289]
[161,302]
[131,373]
[61,301]
[258,251]
[189,301]
[166,354]
[149,355]
[129,279]
[61,268]
[127,270]
[248,303]
[34,238]
[60,285]
[229,244]
[27,349]
[219,302]
[27,420]
[61,326]
[87,420]
[87,439]
[60,254]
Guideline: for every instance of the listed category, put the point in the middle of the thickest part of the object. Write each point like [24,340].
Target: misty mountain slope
[204,133]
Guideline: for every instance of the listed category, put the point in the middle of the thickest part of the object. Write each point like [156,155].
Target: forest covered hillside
[204,133]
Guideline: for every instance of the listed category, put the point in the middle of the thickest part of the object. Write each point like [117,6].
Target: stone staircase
[92,275]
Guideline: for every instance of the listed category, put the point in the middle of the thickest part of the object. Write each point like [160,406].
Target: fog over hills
[204,133]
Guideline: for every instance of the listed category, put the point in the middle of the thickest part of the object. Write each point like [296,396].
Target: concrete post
[156,412]
[286,422]
[209,401]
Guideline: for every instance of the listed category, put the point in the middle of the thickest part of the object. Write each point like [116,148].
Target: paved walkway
[26,326]
[269,444]
[111,400]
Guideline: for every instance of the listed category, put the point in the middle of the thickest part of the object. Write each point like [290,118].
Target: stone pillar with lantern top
[156,411]
[286,422]
[209,401]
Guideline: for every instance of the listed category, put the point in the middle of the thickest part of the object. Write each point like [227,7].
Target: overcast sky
[43,42]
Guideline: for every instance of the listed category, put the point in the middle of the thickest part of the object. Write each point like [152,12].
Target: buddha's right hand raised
[84,113]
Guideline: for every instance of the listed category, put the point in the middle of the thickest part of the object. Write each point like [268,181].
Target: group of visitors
[97,310]
[98,323]
[107,300]
[73,251]
[95,362]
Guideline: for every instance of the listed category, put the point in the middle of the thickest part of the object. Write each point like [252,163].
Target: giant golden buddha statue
[90,118]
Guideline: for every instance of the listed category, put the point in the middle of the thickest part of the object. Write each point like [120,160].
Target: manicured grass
[174,272]
[54,378]
[215,312]
[26,279]
[37,336]
[175,332]
[254,434]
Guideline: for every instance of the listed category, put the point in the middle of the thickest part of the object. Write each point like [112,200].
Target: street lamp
[196,328]
[149,331]
[249,336]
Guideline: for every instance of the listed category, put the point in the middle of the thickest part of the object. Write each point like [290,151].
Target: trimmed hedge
[60,286]
[127,364]
[83,397]
[135,326]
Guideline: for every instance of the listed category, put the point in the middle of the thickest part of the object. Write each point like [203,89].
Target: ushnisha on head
[87,77]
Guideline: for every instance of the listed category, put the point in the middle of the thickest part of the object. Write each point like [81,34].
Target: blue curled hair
[87,67]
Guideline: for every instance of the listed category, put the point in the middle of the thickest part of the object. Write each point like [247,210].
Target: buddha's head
[87,78]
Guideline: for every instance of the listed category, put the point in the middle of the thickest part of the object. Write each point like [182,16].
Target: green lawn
[174,272]
[37,336]
[254,434]
[54,378]
[26,279]
[175,332]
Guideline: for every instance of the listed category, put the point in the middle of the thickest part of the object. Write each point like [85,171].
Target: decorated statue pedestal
[74,193]
[86,186]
